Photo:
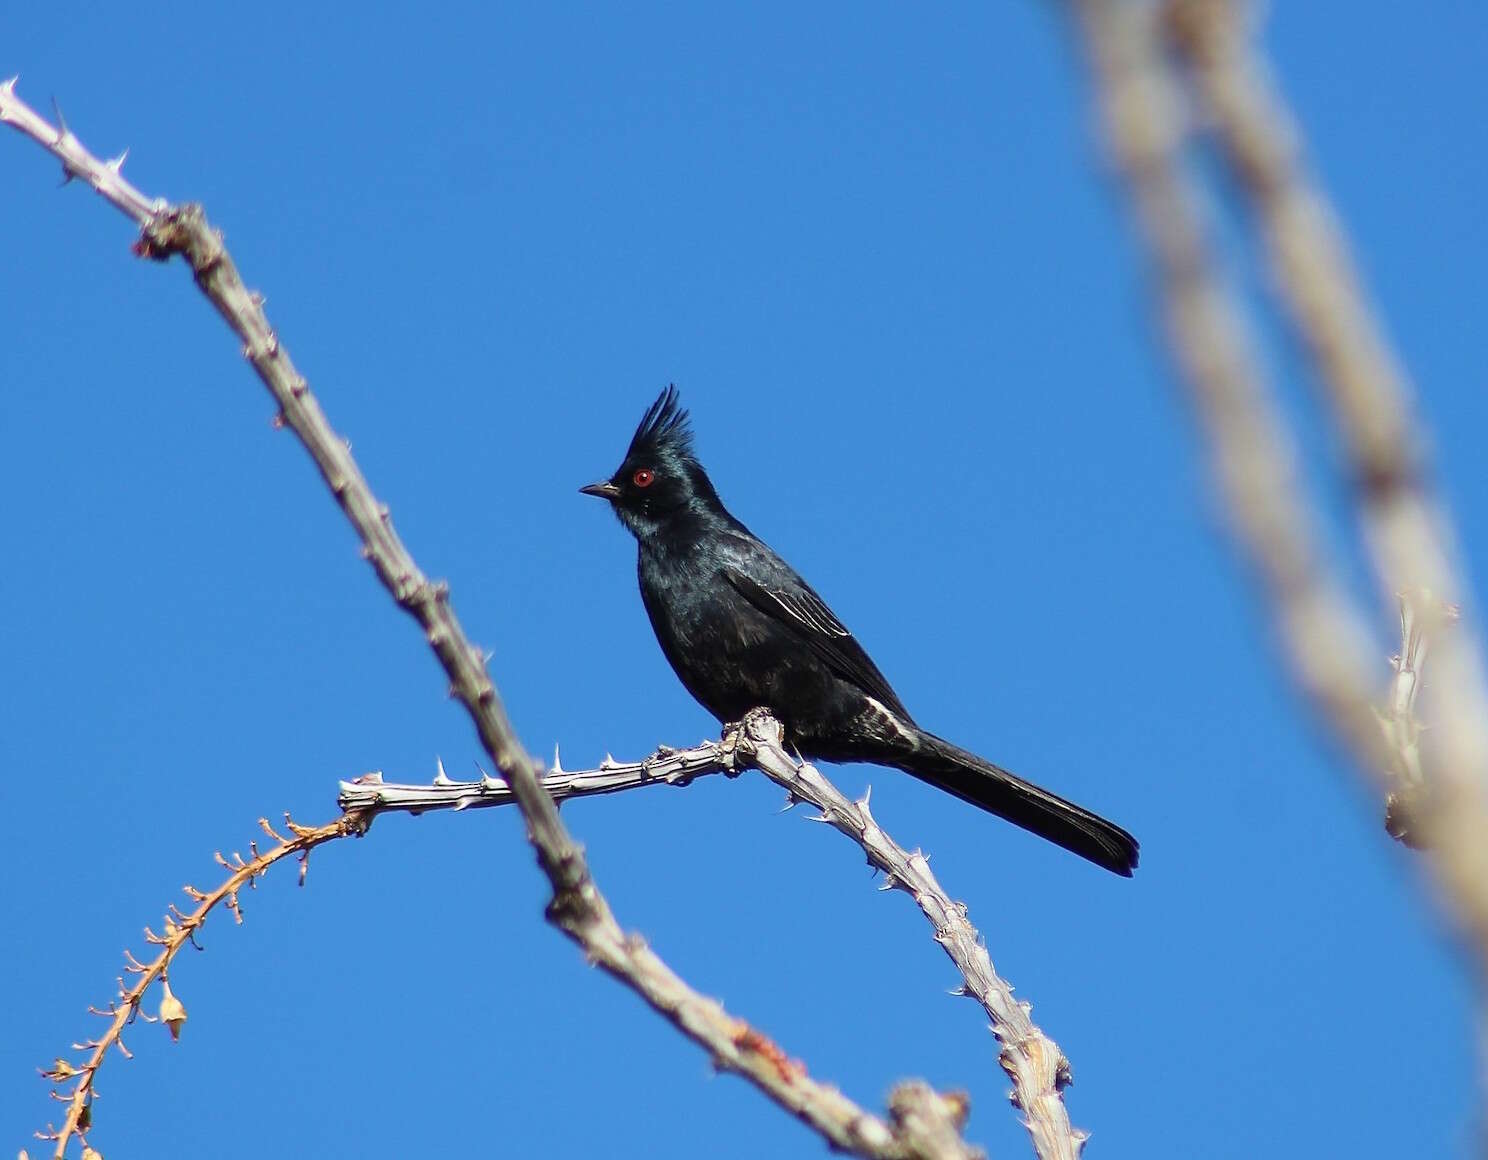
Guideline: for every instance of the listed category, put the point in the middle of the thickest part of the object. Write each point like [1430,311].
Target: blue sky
[870,246]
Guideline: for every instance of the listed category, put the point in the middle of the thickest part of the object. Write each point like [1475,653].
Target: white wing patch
[813,614]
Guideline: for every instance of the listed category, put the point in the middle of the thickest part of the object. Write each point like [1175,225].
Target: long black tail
[1036,810]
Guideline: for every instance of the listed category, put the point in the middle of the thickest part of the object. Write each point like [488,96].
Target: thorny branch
[177,930]
[1149,118]
[754,744]
[920,1123]
[366,797]
[1034,1063]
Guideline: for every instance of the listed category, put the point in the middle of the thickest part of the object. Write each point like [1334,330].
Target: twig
[576,907]
[179,928]
[678,767]
[1034,1063]
[1408,531]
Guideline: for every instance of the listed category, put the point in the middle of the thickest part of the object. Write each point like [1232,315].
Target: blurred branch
[1327,635]
[1408,531]
[1038,1069]
[918,1126]
[177,930]
[1146,124]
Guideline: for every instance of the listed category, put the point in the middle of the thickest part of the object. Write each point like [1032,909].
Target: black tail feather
[1036,810]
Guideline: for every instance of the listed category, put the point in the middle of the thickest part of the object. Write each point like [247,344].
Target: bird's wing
[790,602]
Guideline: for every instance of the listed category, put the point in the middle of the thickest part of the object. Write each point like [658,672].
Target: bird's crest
[663,428]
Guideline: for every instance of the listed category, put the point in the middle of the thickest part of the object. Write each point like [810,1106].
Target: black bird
[743,630]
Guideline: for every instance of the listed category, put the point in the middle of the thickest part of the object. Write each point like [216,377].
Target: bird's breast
[729,655]
[693,610]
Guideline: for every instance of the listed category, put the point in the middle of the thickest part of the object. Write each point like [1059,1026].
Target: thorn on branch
[296,829]
[60,1070]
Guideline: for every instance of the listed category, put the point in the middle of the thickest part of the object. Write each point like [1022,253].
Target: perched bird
[743,630]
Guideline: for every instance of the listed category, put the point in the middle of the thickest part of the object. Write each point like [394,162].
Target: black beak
[605,490]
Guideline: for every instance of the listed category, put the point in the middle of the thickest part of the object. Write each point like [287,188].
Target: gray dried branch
[666,766]
[1039,1070]
[576,907]
[178,928]
[1324,630]
[1407,530]
[1034,1063]
[919,1117]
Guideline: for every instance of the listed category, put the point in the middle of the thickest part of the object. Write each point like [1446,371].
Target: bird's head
[660,480]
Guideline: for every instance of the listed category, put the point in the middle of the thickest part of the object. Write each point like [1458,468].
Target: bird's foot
[753,724]
[729,737]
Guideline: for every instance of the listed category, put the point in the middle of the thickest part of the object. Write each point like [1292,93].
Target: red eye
[643,477]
